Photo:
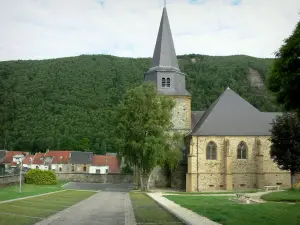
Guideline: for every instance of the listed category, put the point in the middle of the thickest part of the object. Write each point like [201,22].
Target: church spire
[164,53]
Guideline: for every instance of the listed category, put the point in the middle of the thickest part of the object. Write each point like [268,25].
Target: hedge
[37,176]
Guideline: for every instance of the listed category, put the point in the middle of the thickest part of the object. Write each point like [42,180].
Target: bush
[36,176]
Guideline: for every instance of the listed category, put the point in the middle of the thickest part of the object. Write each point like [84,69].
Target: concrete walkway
[103,208]
[185,215]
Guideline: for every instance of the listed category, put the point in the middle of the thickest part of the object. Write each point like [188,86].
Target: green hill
[66,103]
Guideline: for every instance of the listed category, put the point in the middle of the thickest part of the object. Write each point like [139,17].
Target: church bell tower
[169,80]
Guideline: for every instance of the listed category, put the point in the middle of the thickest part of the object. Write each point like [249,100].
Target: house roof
[81,157]
[38,158]
[28,159]
[107,160]
[231,115]
[10,154]
[58,157]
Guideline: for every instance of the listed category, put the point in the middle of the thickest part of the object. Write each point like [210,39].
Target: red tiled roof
[59,157]
[10,154]
[37,158]
[27,159]
[107,160]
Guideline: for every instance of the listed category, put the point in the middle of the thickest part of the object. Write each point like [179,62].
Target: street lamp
[21,165]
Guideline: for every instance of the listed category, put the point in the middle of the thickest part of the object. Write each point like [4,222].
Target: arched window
[211,151]
[168,82]
[242,150]
[163,82]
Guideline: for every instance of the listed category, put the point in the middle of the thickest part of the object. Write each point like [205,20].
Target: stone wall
[181,114]
[10,179]
[95,178]
[227,171]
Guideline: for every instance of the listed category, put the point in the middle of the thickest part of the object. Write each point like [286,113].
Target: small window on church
[242,150]
[211,151]
[163,82]
[168,82]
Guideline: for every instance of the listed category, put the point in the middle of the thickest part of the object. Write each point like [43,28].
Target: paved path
[187,216]
[103,208]
[120,187]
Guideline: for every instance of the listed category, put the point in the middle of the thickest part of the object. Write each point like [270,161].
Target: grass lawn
[224,211]
[30,211]
[147,211]
[283,196]
[217,192]
[12,192]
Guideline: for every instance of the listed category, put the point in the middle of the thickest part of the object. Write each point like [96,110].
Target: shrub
[36,176]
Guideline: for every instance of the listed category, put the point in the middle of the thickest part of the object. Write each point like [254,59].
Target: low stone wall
[95,178]
[4,180]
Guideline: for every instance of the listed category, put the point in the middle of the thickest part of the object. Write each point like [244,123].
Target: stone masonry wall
[95,178]
[244,173]
[10,179]
[181,115]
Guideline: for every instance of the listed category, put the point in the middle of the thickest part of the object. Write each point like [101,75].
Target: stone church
[228,144]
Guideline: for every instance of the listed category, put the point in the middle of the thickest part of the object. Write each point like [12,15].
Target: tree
[285,143]
[142,120]
[84,145]
[284,78]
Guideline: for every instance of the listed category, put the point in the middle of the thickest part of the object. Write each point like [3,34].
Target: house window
[106,171]
[211,151]
[60,169]
[168,82]
[84,169]
[163,82]
[242,150]
[97,171]
[73,168]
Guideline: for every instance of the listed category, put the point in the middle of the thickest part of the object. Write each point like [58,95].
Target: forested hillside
[66,103]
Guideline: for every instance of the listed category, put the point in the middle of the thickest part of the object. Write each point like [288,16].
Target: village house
[79,162]
[57,160]
[103,164]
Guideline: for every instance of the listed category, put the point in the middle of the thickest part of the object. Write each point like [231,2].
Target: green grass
[227,212]
[30,211]
[12,192]
[217,192]
[283,196]
[147,210]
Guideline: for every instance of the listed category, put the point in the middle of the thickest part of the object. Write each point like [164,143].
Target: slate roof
[231,115]
[196,116]
[81,157]
[164,53]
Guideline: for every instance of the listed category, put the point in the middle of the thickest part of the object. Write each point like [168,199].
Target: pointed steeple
[164,70]
[164,53]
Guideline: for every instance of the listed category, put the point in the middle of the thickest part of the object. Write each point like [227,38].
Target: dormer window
[163,82]
[168,82]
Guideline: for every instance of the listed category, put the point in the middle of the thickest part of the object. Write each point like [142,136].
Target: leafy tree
[284,78]
[142,120]
[285,147]
[84,145]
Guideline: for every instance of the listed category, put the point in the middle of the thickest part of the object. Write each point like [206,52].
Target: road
[104,208]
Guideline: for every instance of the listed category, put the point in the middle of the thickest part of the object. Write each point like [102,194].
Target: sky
[43,29]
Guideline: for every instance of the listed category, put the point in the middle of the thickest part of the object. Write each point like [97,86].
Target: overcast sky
[40,29]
